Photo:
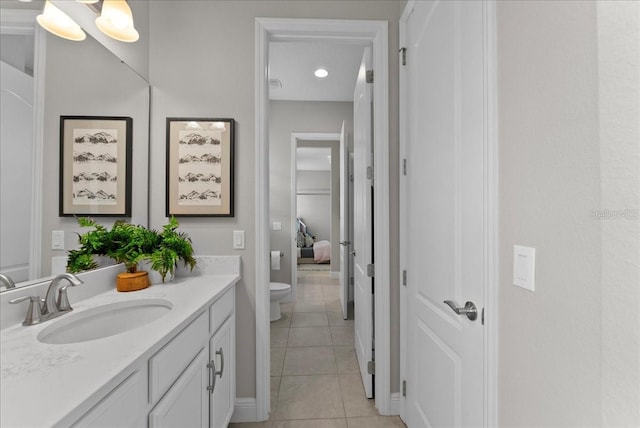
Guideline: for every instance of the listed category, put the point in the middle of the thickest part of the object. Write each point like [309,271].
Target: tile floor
[315,381]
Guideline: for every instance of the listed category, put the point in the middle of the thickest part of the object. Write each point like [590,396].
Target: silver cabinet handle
[212,375]
[469,309]
[221,371]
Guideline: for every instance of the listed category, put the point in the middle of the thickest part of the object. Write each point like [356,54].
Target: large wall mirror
[66,79]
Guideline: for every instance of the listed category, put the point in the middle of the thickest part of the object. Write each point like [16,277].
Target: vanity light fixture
[116,21]
[59,23]
[321,73]
[88,1]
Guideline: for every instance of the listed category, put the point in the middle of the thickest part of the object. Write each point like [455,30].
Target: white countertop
[44,385]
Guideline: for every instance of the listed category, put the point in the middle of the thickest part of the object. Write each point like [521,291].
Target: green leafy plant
[173,246]
[130,244]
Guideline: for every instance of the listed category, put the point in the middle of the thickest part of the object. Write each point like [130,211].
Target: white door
[345,246]
[363,231]
[445,213]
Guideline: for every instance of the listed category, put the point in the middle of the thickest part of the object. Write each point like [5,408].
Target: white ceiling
[293,63]
[313,159]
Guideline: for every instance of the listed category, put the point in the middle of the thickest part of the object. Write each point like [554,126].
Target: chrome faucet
[6,281]
[52,308]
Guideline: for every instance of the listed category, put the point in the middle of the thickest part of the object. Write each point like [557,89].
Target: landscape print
[200,167]
[95,166]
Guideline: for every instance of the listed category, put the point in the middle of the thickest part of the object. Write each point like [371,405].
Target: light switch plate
[524,267]
[238,239]
[277,225]
[57,239]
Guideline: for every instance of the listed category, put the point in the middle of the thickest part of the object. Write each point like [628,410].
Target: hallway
[315,380]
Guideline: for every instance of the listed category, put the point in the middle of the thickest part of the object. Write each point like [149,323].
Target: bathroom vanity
[175,367]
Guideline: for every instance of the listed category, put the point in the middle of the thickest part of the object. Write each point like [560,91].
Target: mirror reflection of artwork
[95,166]
[200,167]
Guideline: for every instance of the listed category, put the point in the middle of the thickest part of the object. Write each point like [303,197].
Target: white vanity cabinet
[203,393]
[222,357]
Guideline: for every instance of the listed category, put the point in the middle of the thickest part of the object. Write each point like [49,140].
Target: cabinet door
[186,404]
[222,353]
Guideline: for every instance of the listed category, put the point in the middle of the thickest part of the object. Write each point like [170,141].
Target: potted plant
[172,247]
[131,244]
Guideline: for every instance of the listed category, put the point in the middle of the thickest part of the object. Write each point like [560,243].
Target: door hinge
[351,178]
[369,77]
[404,278]
[404,388]
[403,55]
[482,316]
[371,270]
[370,173]
[371,367]
[404,167]
[351,281]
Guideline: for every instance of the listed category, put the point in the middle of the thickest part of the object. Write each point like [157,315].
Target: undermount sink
[104,321]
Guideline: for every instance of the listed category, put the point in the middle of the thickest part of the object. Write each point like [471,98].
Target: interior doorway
[374,33]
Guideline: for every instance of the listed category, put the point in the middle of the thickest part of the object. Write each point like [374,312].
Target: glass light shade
[88,1]
[116,21]
[321,73]
[57,22]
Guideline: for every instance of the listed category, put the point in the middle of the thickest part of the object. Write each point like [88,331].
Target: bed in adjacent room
[311,250]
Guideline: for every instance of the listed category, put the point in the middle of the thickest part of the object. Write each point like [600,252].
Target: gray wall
[314,202]
[201,64]
[95,83]
[568,129]
[287,117]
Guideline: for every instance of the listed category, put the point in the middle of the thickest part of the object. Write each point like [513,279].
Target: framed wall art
[95,166]
[200,170]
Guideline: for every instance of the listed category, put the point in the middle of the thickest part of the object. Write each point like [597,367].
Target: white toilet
[278,291]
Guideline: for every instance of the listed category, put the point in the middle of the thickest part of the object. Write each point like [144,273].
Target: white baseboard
[394,404]
[335,275]
[246,410]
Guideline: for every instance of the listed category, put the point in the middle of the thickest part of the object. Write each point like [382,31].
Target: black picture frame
[95,166]
[200,167]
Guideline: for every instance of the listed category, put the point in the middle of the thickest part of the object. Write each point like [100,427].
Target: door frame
[295,138]
[491,203]
[376,33]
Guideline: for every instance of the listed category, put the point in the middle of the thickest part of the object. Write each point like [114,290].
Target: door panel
[362,245]
[445,213]
[345,246]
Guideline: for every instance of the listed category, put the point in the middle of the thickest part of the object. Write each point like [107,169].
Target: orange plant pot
[132,281]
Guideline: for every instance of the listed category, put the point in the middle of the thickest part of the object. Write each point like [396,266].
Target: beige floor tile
[309,292]
[279,337]
[275,388]
[342,336]
[277,361]
[355,402]
[346,359]
[283,322]
[331,292]
[336,319]
[309,336]
[310,319]
[376,422]
[309,361]
[312,423]
[309,397]
[315,305]
[334,306]
[265,424]
[287,306]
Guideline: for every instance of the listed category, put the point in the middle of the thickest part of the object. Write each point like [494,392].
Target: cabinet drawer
[124,406]
[221,309]
[169,362]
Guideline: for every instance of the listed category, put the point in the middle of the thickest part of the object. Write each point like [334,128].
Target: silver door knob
[469,309]
[345,243]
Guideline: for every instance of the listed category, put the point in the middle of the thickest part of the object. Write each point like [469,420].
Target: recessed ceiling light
[321,72]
